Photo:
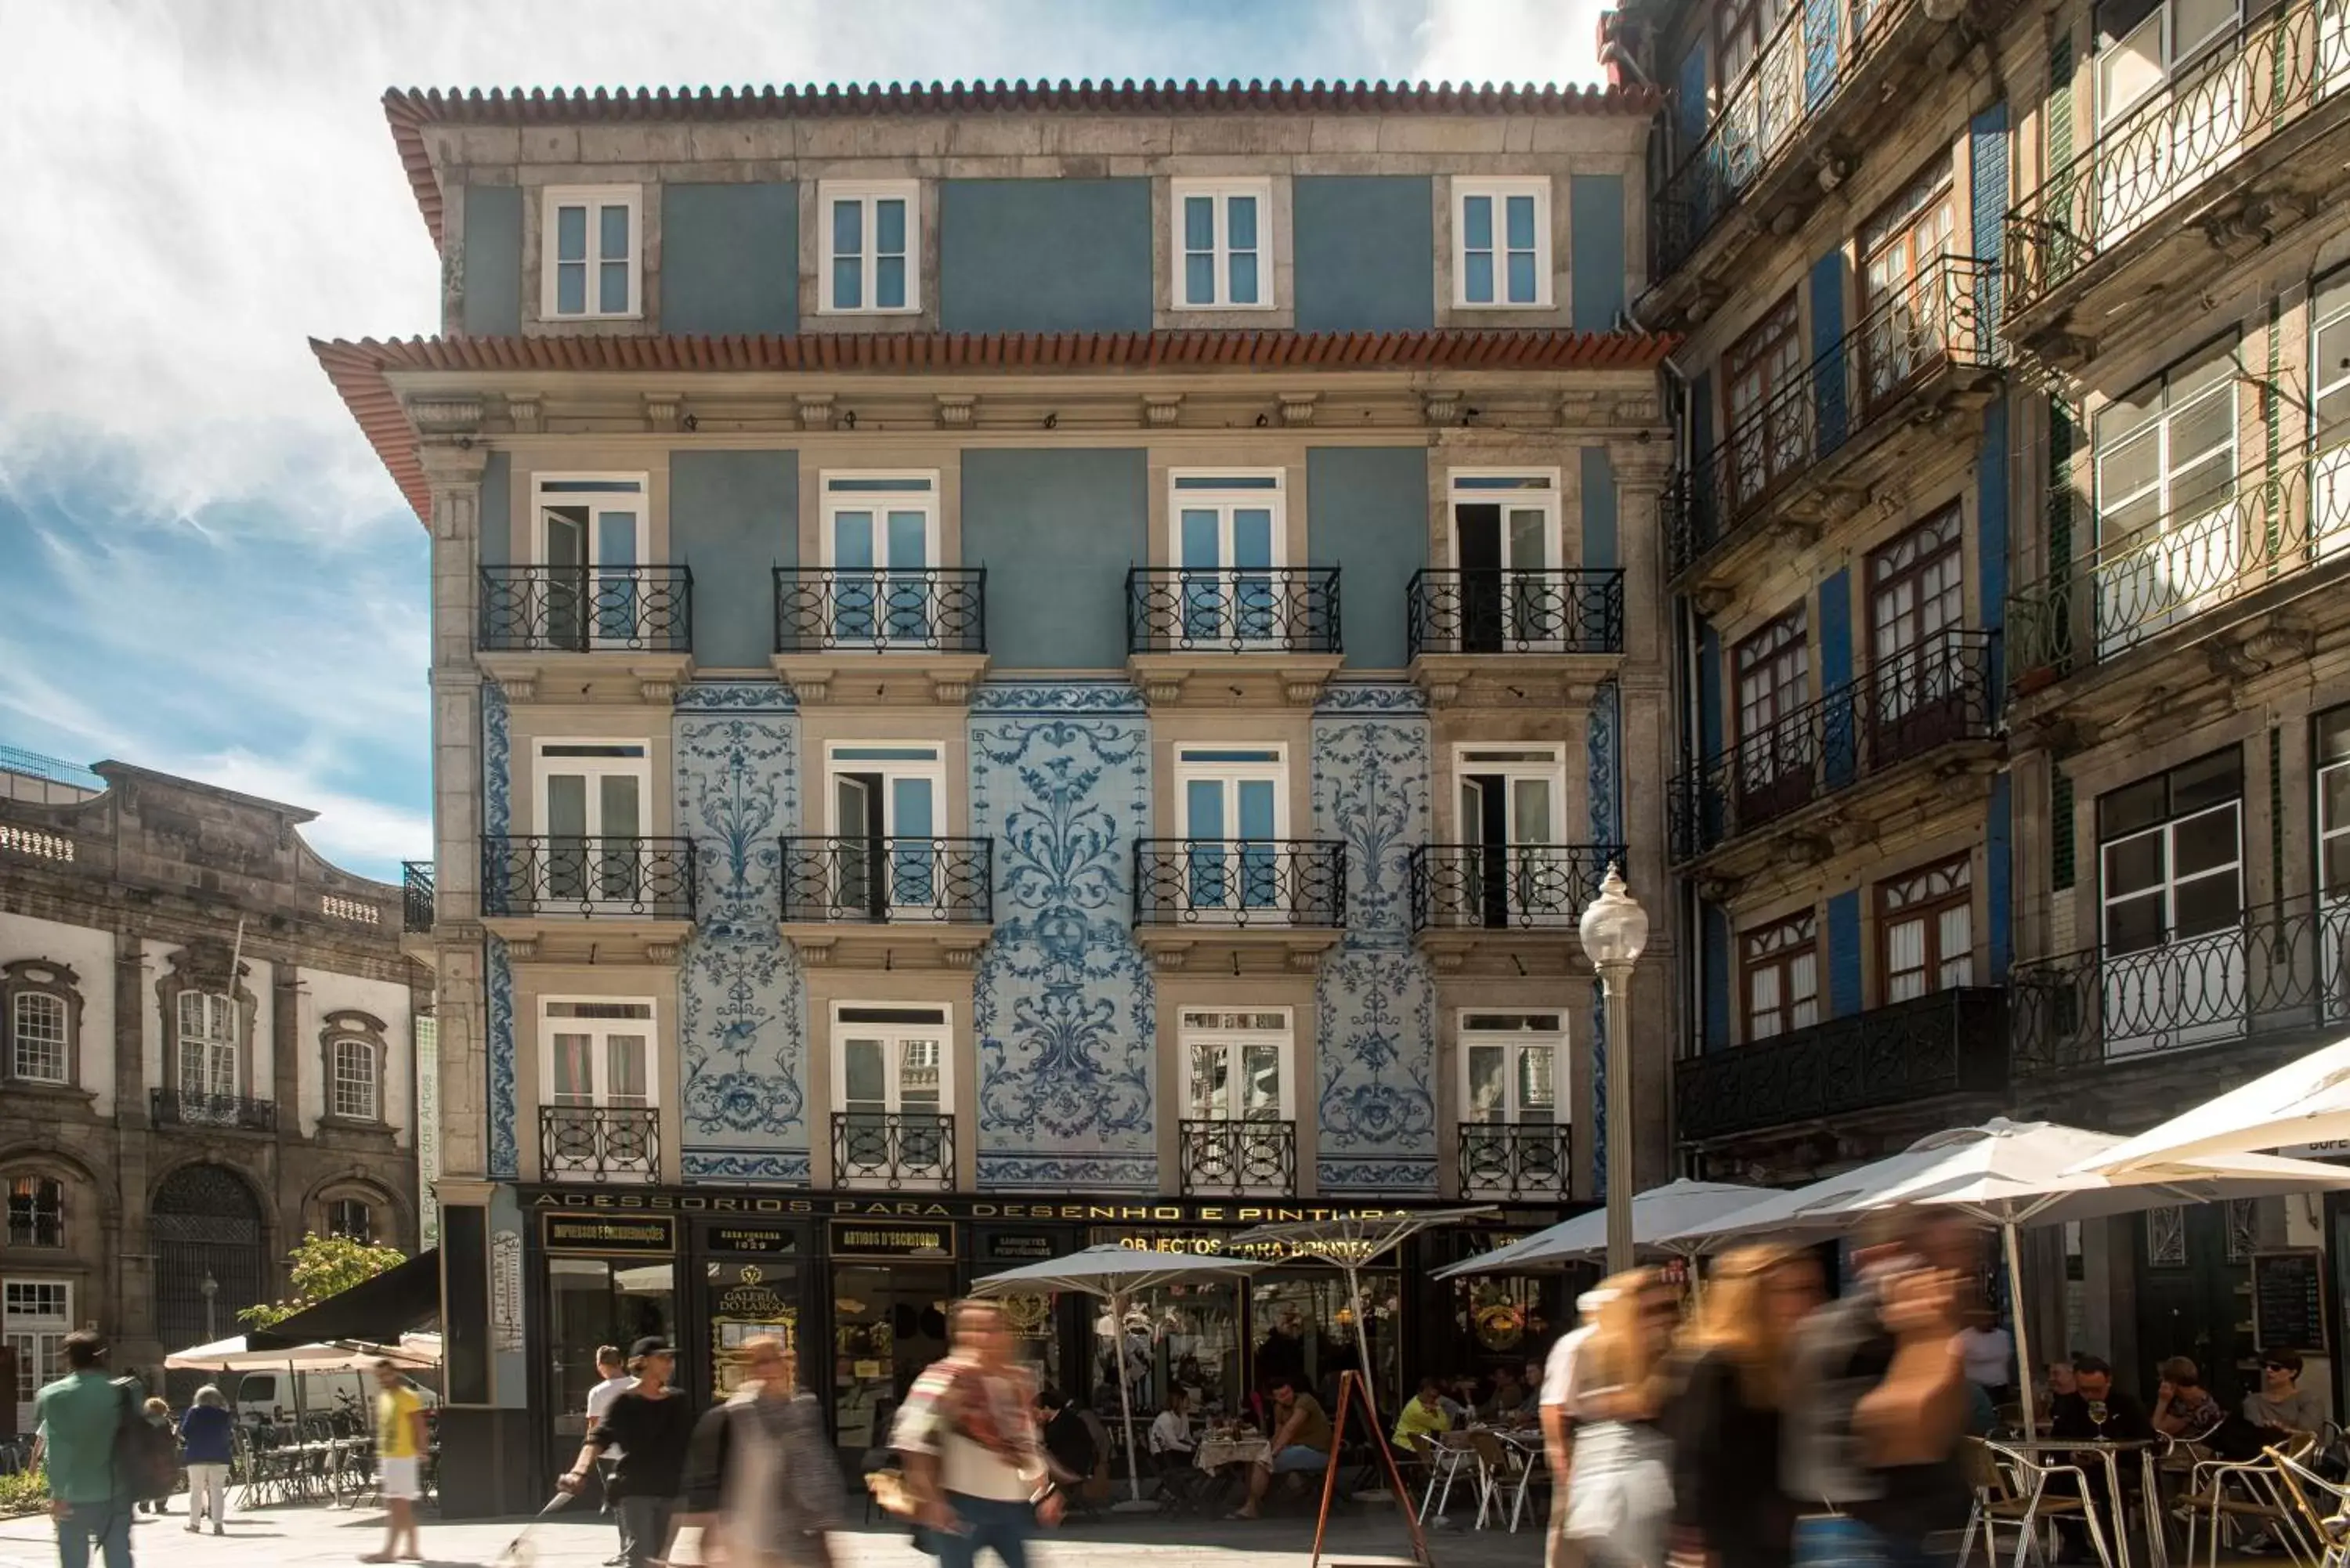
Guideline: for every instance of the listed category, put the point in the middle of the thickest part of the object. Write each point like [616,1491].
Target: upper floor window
[352,1092]
[1237,1066]
[2333,758]
[1927,920]
[2166,457]
[37,1038]
[1737,39]
[1219,260]
[1774,673]
[1502,242]
[37,1211]
[1511,1067]
[599,1052]
[351,1219]
[2329,360]
[1915,591]
[208,1044]
[872,247]
[2141,44]
[2171,853]
[1782,965]
[590,240]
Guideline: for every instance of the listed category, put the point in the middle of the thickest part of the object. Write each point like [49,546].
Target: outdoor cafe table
[2079,1450]
[1215,1453]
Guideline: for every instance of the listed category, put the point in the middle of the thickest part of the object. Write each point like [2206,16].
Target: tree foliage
[320,1267]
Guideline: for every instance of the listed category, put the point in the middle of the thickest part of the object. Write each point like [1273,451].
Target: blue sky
[203,568]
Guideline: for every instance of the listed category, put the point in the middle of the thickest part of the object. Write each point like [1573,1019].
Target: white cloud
[352,831]
[1509,41]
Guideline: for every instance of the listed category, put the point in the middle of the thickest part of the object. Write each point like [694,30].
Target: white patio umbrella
[1657,1215]
[2303,1102]
[414,1353]
[1118,1273]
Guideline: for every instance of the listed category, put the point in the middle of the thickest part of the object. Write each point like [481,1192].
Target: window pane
[2204,843]
[864,1075]
[2133,923]
[889,227]
[2208,904]
[917,1076]
[1521,211]
[1477,223]
[1958,942]
[1487,1086]
[1198,222]
[847,285]
[1199,277]
[1263,1066]
[1522,289]
[1537,1082]
[1239,224]
[847,228]
[2134,865]
[571,234]
[571,288]
[1251,536]
[1244,275]
[1209,1064]
[612,288]
[625,1055]
[618,800]
[574,1077]
[612,237]
[1480,277]
[890,283]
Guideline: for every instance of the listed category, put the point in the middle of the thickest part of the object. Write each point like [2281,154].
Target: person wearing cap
[650,1427]
[400,1440]
[613,1380]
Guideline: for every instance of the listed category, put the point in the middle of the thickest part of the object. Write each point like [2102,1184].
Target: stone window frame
[865,192]
[35,1172]
[552,199]
[40,977]
[1220,190]
[1498,189]
[205,967]
[367,1208]
[350,1026]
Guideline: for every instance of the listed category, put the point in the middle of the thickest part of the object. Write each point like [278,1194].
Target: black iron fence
[1238,1158]
[188,1108]
[1941,691]
[1241,610]
[1513,1159]
[1945,1042]
[2247,89]
[599,1143]
[1516,610]
[899,881]
[1497,886]
[893,1149]
[416,895]
[881,610]
[607,879]
[1941,319]
[2279,970]
[579,609]
[1265,883]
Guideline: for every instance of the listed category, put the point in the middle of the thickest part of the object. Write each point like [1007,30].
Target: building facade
[206,1053]
[1015,667]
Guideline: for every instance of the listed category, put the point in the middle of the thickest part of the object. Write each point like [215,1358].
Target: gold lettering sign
[860,1239]
[598,1233]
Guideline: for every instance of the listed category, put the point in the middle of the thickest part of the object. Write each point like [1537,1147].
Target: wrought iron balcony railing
[1945,1042]
[831,610]
[585,609]
[1797,75]
[893,881]
[599,1143]
[1941,319]
[894,1150]
[187,1108]
[1516,610]
[416,895]
[1932,695]
[1238,1158]
[1251,884]
[2260,527]
[2277,971]
[2253,84]
[1513,1159]
[1501,887]
[1245,610]
[572,879]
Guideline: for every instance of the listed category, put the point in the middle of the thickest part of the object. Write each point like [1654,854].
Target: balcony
[2182,191]
[1817,445]
[1239,1159]
[1502,901]
[599,1143]
[415,895]
[1515,1159]
[888,901]
[895,1150]
[1934,703]
[1945,1043]
[211,1113]
[1252,635]
[622,631]
[1506,627]
[2278,975]
[915,636]
[571,894]
[1238,899]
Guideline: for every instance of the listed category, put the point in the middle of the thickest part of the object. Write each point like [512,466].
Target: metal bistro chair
[1446,1460]
[2326,1529]
[2011,1493]
[1500,1472]
[2235,1490]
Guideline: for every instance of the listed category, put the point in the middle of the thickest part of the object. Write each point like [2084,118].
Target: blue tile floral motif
[1062,998]
[1070,697]
[1375,1000]
[497,973]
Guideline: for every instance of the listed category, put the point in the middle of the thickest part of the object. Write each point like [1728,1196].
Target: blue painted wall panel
[1991,540]
[730,257]
[1998,879]
[1690,110]
[1827,352]
[1367,514]
[1987,156]
[733,517]
[1838,742]
[1600,539]
[1365,251]
[492,306]
[1843,954]
[1714,937]
[1056,531]
[1595,257]
[497,511]
[1710,675]
[1044,255]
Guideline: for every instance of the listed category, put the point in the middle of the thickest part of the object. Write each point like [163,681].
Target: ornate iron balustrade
[1932,695]
[2247,89]
[584,609]
[1945,1042]
[892,881]
[2278,970]
[1516,610]
[608,878]
[1241,609]
[187,1108]
[896,1150]
[1247,883]
[1941,319]
[1497,886]
[2260,528]
[1513,1159]
[1796,76]
[1238,1158]
[416,895]
[599,1143]
[832,610]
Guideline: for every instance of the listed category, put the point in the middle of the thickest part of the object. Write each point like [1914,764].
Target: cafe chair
[2012,1492]
[1446,1460]
[1183,1485]
[2237,1492]
[1502,1471]
[2321,1506]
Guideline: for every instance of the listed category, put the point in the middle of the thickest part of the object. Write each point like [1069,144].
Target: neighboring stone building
[899,750]
[168,1127]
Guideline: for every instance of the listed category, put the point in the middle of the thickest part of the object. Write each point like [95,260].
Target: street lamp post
[1614,930]
[209,1291]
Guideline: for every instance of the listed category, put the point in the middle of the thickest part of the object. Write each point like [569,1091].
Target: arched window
[207,1046]
[351,1219]
[37,1211]
[40,1018]
[353,1085]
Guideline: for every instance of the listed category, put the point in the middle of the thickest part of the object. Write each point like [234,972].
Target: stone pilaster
[129,1311]
[455,475]
[1647,738]
[459,1005]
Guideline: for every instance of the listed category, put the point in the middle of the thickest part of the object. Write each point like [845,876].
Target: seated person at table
[1171,1432]
[2183,1408]
[2281,1404]
[1461,1399]
[1302,1440]
[1508,1398]
[1423,1417]
[2095,1410]
[1068,1441]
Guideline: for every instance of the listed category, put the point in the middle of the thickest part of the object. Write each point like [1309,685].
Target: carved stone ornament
[816,411]
[527,413]
[1161,408]
[1297,408]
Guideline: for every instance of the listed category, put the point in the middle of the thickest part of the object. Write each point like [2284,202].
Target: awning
[378,1311]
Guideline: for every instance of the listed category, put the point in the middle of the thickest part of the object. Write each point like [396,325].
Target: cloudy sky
[203,568]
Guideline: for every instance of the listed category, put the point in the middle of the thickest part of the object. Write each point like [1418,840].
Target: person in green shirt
[1423,1418]
[77,1416]
[1302,1440]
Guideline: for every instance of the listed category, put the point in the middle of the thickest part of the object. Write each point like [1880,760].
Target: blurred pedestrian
[207,1443]
[1556,1401]
[1619,1485]
[400,1441]
[759,1474]
[1730,1376]
[967,1434]
[612,1381]
[648,1427]
[1988,1352]
[157,1415]
[77,1417]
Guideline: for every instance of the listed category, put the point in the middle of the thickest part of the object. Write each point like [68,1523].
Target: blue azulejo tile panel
[1604,758]
[1375,1000]
[497,981]
[1062,1001]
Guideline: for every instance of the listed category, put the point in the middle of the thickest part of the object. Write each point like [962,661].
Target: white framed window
[1927,921]
[885,807]
[892,1083]
[37,1038]
[208,1046]
[352,1092]
[1782,968]
[591,253]
[37,1211]
[1237,1064]
[36,1315]
[880,540]
[1500,242]
[590,532]
[1227,541]
[1513,1065]
[1505,519]
[591,803]
[1235,806]
[2333,763]
[2169,538]
[1221,252]
[2178,965]
[1510,795]
[598,1051]
[2133,66]
[872,247]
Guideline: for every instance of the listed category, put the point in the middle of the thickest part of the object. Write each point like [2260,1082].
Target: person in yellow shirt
[1424,1417]
[400,1440]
